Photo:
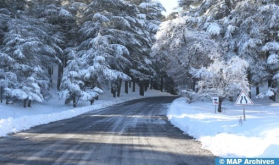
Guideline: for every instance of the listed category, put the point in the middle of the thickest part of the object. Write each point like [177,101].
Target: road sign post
[244,117]
[215,102]
[215,108]
[243,99]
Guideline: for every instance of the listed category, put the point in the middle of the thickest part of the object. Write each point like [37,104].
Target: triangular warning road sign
[243,99]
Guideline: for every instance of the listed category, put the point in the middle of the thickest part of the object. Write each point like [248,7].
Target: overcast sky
[169,5]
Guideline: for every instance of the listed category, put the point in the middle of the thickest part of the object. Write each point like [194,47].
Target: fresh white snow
[15,118]
[213,29]
[225,134]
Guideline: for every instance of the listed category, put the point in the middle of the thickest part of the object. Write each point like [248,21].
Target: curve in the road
[135,132]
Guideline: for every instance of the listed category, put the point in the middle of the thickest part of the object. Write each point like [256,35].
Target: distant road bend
[136,132]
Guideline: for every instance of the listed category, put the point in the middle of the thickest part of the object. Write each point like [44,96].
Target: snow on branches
[223,78]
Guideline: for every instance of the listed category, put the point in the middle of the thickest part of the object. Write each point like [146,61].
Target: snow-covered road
[135,132]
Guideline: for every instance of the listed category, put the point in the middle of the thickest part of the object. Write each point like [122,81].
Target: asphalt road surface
[135,132]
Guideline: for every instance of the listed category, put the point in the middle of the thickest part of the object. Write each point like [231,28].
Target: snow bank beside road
[223,133]
[13,125]
[15,118]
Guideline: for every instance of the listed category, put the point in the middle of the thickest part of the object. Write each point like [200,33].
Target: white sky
[169,5]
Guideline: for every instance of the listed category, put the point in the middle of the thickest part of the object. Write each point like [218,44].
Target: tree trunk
[7,100]
[151,83]
[273,98]
[249,77]
[162,81]
[269,83]
[65,60]
[114,93]
[194,84]
[141,84]
[134,86]
[60,74]
[24,103]
[272,84]
[74,101]
[49,71]
[1,94]
[92,102]
[257,90]
[119,88]
[146,84]
[220,104]
[126,87]
[231,98]
[29,103]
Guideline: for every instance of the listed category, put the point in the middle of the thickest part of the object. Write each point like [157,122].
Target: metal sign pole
[243,99]
[244,118]
[215,108]
[215,102]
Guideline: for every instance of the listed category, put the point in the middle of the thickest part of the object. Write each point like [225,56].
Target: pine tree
[132,28]
[150,14]
[28,45]
[181,49]
[250,32]
[118,32]
[87,73]
[61,15]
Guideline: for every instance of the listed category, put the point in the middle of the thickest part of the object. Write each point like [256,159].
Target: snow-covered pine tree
[62,15]
[5,60]
[5,15]
[247,29]
[150,13]
[270,12]
[13,5]
[199,19]
[209,9]
[8,80]
[236,26]
[87,72]
[97,41]
[211,20]
[123,33]
[237,38]
[29,48]
[72,87]
[181,49]
[100,53]
[130,26]
[250,32]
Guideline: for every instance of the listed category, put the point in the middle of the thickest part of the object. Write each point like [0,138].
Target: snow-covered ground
[15,118]
[223,134]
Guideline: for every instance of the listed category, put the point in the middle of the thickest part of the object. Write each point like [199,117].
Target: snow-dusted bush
[192,96]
